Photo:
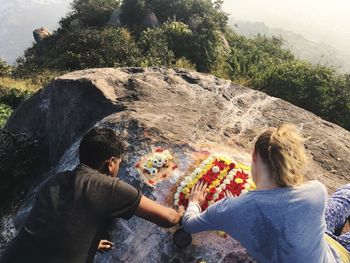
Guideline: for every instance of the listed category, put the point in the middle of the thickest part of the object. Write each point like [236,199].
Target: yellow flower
[252,187]
[239,180]
[190,185]
[185,190]
[216,182]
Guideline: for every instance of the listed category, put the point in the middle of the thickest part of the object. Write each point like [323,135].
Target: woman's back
[282,225]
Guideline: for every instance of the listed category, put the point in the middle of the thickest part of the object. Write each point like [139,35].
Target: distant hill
[18,20]
[301,47]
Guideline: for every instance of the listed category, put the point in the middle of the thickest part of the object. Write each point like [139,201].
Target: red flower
[232,166]
[205,206]
[137,165]
[209,197]
[213,190]
[151,181]
[159,150]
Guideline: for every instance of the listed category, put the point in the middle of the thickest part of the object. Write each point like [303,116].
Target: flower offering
[221,174]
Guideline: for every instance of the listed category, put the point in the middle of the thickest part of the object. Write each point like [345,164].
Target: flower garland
[220,173]
[158,160]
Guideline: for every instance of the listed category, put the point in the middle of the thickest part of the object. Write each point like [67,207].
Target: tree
[5,69]
[94,13]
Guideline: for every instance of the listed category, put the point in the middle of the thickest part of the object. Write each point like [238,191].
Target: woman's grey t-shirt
[279,225]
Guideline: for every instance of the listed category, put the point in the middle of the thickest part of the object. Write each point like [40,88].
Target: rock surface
[40,34]
[185,112]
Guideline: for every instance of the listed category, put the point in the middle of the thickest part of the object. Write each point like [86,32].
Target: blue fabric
[337,213]
[279,225]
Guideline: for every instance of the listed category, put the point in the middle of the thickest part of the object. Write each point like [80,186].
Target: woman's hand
[198,193]
[228,193]
[105,246]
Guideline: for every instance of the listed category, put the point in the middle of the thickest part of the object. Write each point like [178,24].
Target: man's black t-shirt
[70,212]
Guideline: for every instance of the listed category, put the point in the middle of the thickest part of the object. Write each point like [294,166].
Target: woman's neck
[265,182]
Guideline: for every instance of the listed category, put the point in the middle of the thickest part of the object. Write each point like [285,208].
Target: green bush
[5,69]
[91,13]
[18,160]
[87,48]
[13,97]
[5,112]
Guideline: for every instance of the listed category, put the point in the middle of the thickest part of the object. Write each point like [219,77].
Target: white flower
[202,166]
[183,183]
[249,181]
[216,196]
[223,186]
[226,181]
[179,189]
[244,191]
[197,171]
[230,176]
[176,202]
[188,179]
[177,195]
[215,169]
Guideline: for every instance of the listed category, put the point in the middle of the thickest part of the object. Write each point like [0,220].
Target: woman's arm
[212,219]
[161,215]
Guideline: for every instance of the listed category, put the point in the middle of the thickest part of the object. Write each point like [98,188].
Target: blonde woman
[284,219]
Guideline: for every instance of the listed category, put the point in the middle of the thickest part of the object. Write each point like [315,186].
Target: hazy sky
[318,20]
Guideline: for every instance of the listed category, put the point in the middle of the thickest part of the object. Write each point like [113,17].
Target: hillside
[302,48]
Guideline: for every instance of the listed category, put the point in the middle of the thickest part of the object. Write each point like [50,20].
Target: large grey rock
[40,34]
[114,20]
[183,111]
[150,20]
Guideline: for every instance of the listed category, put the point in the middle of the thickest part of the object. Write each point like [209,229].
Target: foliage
[5,112]
[13,97]
[5,69]
[91,13]
[18,157]
[89,47]
[184,63]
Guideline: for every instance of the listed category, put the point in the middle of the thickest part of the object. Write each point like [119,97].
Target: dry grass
[22,85]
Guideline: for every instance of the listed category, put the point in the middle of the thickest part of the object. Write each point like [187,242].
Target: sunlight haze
[318,20]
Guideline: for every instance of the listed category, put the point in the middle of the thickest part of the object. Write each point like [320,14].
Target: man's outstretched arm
[161,215]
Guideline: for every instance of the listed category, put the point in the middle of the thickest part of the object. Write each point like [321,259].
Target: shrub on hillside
[18,156]
[5,112]
[91,13]
[5,69]
[87,48]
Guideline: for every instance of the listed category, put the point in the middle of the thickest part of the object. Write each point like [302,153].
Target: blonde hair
[283,150]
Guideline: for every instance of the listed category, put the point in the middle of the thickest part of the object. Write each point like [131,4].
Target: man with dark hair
[72,209]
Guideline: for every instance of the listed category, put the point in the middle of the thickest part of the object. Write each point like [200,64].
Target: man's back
[70,212]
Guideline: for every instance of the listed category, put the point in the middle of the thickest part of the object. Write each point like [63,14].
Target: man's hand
[198,193]
[105,246]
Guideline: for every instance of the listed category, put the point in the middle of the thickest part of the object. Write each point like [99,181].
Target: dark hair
[282,149]
[99,145]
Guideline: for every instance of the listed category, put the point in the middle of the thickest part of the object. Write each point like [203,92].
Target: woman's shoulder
[315,186]
[313,190]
